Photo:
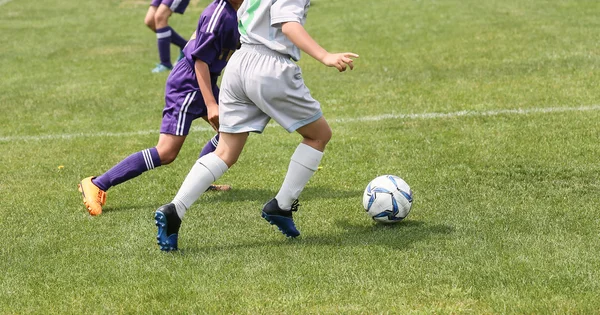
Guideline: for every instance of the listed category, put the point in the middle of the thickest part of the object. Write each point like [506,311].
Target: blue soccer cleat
[168,222]
[281,218]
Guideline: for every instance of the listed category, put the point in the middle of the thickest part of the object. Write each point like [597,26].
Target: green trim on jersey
[254,4]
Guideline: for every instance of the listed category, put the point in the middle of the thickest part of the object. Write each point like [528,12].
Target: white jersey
[260,23]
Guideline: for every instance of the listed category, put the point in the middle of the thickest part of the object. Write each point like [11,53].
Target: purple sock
[177,39]
[163,36]
[132,166]
[210,146]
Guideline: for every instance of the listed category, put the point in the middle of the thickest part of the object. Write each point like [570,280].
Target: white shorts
[259,84]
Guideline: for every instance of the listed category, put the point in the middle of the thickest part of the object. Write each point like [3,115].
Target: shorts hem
[241,129]
[304,122]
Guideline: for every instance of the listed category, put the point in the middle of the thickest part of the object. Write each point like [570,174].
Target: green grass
[506,213]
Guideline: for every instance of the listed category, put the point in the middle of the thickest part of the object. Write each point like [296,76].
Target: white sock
[205,171]
[303,165]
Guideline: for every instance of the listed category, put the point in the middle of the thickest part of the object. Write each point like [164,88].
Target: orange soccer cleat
[93,197]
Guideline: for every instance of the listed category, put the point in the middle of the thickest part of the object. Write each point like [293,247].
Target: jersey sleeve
[287,11]
[208,47]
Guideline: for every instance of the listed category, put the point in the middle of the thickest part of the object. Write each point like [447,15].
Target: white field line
[458,114]
[4,1]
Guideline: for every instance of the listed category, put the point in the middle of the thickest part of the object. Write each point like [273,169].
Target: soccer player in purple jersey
[191,92]
[157,19]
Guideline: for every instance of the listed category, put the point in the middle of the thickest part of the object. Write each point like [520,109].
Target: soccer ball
[387,199]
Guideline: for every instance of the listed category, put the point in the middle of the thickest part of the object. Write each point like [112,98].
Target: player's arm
[203,78]
[296,33]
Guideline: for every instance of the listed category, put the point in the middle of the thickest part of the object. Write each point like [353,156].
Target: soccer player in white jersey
[262,81]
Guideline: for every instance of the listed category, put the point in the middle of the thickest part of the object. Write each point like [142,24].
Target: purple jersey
[214,41]
[216,37]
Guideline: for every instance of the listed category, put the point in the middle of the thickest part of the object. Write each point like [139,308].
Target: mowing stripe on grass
[4,1]
[465,113]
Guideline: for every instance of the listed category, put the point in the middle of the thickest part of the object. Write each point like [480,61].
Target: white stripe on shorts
[174,5]
[180,111]
[215,17]
[183,112]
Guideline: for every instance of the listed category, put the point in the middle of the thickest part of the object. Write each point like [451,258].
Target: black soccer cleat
[168,223]
[281,218]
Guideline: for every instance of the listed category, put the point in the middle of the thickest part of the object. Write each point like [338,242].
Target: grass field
[488,109]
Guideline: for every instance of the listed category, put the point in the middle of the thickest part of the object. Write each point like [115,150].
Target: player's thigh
[149,19]
[183,101]
[279,91]
[237,113]
[240,116]
[161,17]
[181,109]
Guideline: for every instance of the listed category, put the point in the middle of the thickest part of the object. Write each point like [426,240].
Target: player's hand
[213,116]
[340,61]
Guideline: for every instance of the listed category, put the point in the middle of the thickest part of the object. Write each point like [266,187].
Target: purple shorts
[177,6]
[183,101]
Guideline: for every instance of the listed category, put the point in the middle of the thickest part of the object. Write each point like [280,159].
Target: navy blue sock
[163,36]
[177,39]
[210,146]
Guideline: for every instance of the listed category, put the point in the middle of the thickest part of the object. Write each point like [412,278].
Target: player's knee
[167,155]
[327,134]
[149,21]
[323,136]
[318,141]
[161,19]
[167,158]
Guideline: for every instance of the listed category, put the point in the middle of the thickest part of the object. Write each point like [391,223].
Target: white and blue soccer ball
[388,199]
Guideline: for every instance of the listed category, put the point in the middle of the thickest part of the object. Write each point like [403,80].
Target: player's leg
[137,163]
[304,162]
[94,189]
[149,19]
[209,147]
[287,100]
[177,6]
[163,38]
[181,108]
[204,172]
[236,114]
[165,35]
[208,169]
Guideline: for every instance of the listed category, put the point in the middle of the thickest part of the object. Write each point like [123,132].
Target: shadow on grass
[397,236]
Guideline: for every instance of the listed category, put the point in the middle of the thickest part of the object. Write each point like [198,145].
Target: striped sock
[132,166]
[210,146]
